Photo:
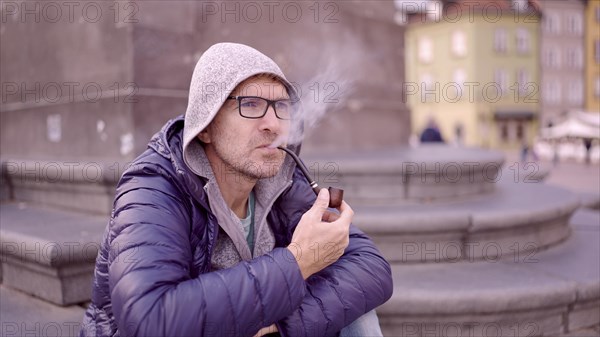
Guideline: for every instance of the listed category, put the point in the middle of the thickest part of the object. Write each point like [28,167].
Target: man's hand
[265,331]
[316,242]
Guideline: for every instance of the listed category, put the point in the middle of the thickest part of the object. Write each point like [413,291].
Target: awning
[571,128]
[523,115]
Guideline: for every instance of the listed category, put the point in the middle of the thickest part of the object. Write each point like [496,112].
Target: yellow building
[473,67]
[592,63]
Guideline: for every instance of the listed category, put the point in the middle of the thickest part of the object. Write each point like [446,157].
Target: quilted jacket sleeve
[336,296]
[151,290]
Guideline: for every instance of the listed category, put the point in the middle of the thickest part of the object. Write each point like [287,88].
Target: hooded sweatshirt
[218,72]
[158,270]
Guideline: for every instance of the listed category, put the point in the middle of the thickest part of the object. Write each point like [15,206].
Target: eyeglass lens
[256,107]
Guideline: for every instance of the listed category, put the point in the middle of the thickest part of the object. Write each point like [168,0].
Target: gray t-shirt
[248,222]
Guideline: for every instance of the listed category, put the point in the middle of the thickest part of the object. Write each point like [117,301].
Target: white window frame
[523,79]
[429,89]
[551,23]
[575,94]
[574,23]
[501,40]
[459,43]
[459,76]
[546,57]
[523,41]
[501,78]
[556,61]
[520,5]
[574,58]
[425,49]
[552,92]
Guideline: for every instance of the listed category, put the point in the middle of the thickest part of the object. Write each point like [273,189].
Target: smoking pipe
[336,195]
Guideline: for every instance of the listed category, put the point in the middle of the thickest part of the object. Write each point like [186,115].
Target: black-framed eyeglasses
[255,107]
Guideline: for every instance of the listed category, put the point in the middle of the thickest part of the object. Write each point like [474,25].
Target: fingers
[346,213]
[321,204]
[329,216]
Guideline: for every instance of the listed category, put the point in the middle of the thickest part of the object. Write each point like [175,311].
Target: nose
[270,122]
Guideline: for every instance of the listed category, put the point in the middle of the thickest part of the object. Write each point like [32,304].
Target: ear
[204,136]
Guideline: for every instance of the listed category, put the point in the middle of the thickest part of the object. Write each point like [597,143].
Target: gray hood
[218,72]
[220,69]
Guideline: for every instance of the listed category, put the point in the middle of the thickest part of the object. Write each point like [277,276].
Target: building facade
[592,58]
[561,60]
[473,67]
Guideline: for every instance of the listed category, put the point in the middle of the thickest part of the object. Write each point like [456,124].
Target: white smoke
[325,84]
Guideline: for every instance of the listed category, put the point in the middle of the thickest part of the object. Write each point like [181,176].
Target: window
[597,87]
[522,40]
[597,50]
[574,58]
[576,92]
[500,40]
[552,91]
[597,13]
[551,23]
[523,81]
[519,5]
[501,79]
[574,23]
[546,56]
[459,77]
[551,57]
[459,43]
[425,50]
[429,89]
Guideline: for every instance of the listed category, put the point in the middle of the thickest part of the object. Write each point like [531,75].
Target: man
[215,233]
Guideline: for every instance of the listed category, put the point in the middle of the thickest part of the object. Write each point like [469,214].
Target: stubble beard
[238,161]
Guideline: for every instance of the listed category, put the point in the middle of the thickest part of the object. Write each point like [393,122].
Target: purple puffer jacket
[152,273]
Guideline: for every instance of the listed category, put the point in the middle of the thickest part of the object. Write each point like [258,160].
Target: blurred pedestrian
[587,142]
[431,133]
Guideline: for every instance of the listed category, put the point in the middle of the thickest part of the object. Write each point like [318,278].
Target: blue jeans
[366,325]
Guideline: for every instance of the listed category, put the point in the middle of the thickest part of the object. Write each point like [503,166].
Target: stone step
[24,315]
[514,220]
[49,253]
[82,186]
[396,176]
[590,200]
[548,293]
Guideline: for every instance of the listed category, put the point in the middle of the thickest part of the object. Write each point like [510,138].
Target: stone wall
[96,80]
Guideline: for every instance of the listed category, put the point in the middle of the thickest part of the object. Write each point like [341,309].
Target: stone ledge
[590,200]
[65,285]
[556,290]
[515,220]
[586,219]
[62,183]
[547,322]
[474,288]
[584,315]
[49,253]
[430,172]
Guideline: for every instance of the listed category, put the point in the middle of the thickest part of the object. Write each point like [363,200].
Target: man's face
[240,145]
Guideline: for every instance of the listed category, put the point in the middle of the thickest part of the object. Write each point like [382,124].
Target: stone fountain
[478,247]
